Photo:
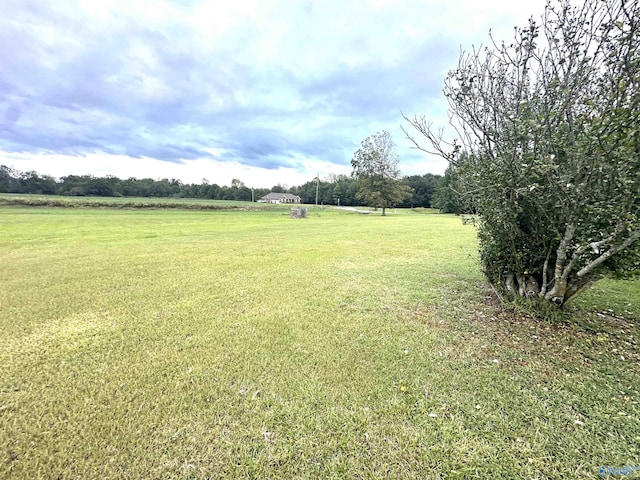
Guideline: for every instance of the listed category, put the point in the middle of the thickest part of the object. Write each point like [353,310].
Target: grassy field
[28,200]
[196,344]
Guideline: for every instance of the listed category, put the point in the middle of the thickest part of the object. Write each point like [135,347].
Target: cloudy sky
[266,91]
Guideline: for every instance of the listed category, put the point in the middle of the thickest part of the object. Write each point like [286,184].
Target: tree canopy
[550,122]
[375,165]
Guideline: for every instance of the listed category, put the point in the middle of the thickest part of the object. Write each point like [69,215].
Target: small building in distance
[279,198]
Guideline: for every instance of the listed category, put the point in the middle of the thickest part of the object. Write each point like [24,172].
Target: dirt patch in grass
[577,335]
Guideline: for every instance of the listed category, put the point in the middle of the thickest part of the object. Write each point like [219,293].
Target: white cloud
[268,91]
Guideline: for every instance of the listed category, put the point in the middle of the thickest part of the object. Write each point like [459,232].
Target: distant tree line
[426,190]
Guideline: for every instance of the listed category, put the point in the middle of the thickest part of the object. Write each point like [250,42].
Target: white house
[279,198]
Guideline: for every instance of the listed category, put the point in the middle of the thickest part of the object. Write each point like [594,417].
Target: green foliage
[31,182]
[550,120]
[423,189]
[375,165]
[450,196]
[13,181]
[331,191]
[9,180]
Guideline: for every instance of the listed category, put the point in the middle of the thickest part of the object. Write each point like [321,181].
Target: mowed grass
[188,344]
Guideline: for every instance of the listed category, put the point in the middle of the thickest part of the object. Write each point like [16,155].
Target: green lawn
[197,344]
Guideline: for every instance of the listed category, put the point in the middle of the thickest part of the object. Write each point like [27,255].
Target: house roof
[279,196]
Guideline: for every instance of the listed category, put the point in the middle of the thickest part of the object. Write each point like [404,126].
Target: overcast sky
[266,91]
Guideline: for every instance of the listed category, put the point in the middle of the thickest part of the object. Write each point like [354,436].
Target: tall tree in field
[375,165]
[552,120]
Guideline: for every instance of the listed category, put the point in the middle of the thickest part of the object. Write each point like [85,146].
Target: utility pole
[317,186]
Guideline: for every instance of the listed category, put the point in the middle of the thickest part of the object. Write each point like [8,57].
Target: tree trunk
[561,271]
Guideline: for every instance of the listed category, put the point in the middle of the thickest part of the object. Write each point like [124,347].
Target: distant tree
[217,192]
[352,194]
[339,193]
[245,194]
[331,189]
[375,165]
[238,191]
[158,188]
[176,187]
[277,189]
[551,120]
[9,180]
[451,195]
[74,185]
[226,193]
[423,188]
[101,187]
[306,192]
[344,190]
[13,181]
[448,198]
[33,183]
